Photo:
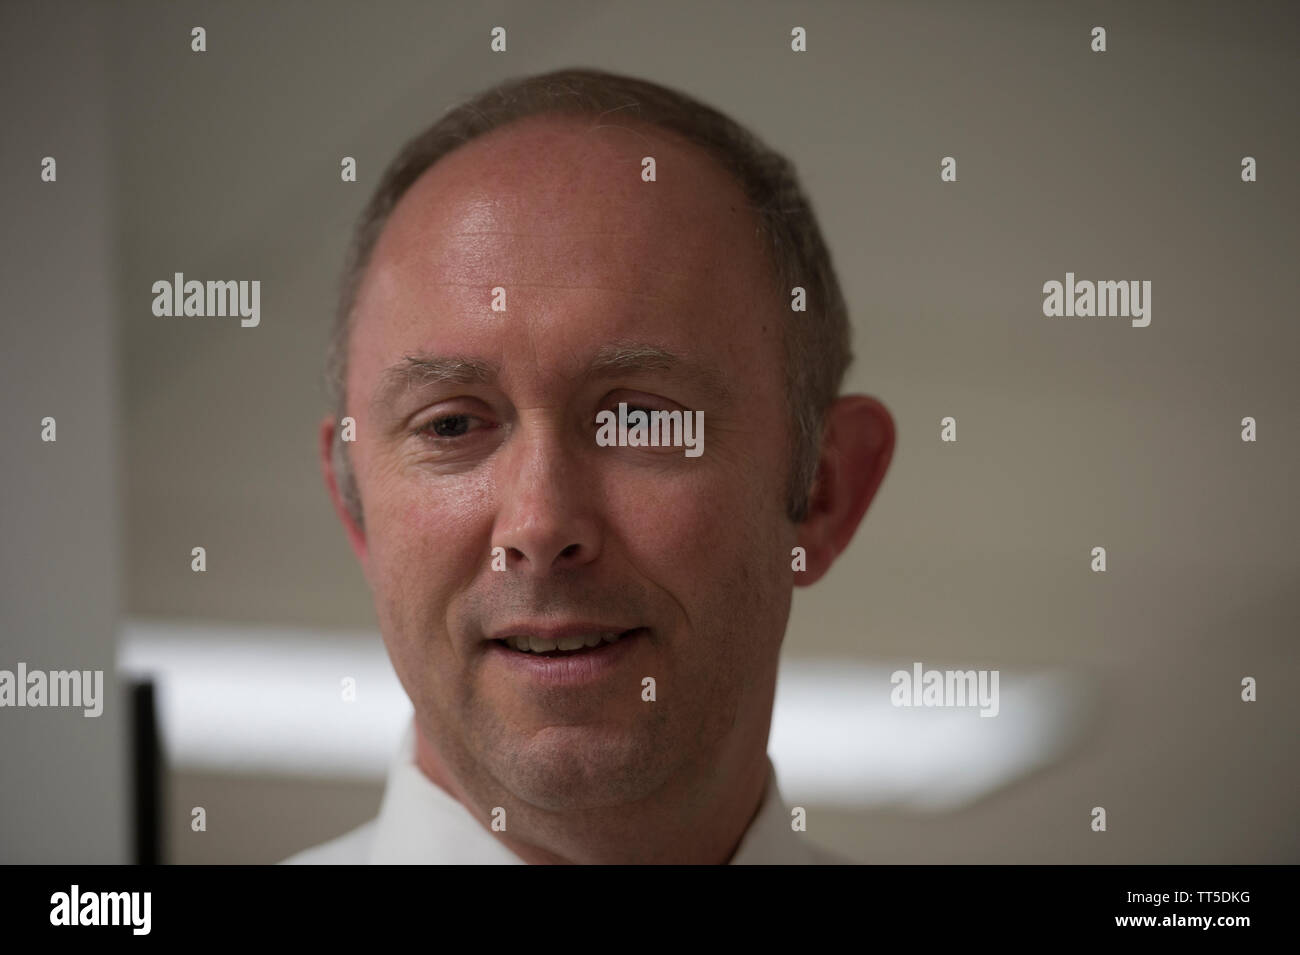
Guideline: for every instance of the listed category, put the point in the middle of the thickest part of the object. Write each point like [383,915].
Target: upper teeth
[542,645]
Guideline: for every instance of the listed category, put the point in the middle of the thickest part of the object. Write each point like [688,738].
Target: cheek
[424,543]
[704,538]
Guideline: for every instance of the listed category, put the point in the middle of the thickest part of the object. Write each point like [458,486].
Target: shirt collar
[420,822]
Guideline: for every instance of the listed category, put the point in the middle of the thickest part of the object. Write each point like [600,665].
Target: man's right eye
[447,426]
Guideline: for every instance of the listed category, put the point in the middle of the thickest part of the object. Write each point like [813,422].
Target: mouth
[575,645]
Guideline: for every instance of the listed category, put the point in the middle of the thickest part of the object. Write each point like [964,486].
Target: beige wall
[63,778]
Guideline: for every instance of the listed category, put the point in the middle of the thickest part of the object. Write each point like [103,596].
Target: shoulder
[351,848]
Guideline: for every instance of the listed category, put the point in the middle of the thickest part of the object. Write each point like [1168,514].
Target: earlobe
[857,447]
[356,535]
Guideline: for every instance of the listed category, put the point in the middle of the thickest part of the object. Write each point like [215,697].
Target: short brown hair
[817,346]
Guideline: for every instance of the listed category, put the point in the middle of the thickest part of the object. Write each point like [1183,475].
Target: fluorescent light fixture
[270,701]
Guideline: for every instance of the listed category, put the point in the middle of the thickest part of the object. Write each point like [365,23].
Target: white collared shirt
[421,823]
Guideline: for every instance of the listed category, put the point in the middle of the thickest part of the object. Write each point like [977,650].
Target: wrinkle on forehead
[554,177]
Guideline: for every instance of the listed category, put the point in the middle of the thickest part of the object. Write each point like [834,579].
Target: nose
[546,512]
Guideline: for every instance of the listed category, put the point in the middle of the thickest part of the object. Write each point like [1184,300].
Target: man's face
[690,553]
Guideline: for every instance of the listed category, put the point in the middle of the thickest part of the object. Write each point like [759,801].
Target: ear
[356,536]
[857,446]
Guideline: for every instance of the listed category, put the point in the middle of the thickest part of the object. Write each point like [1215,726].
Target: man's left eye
[613,409]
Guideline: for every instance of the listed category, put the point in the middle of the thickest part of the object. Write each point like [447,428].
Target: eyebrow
[422,371]
[627,357]
[616,358]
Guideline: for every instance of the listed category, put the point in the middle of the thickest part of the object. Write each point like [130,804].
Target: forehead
[556,211]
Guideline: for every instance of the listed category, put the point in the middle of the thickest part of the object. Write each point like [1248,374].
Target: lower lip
[574,668]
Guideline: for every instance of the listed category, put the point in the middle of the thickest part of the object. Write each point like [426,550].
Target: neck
[696,821]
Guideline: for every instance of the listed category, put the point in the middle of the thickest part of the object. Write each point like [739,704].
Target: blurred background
[1119,689]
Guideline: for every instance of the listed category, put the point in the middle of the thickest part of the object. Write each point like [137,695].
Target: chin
[573,768]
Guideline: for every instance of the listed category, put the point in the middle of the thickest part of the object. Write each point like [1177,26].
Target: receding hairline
[363,255]
[629,354]
[453,184]
[466,184]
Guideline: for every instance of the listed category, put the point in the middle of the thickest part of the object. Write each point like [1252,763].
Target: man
[588,628]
